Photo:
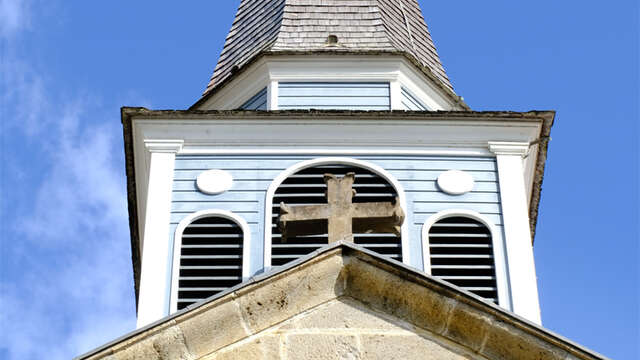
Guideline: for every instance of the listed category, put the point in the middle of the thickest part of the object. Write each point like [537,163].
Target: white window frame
[404,229]
[500,260]
[177,244]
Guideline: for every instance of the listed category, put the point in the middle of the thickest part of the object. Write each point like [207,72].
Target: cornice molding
[164,146]
[509,148]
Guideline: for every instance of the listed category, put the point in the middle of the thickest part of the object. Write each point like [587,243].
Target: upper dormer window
[334,95]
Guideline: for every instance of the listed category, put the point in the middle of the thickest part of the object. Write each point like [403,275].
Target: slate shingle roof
[362,26]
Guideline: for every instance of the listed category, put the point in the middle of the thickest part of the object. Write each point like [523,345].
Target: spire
[328,26]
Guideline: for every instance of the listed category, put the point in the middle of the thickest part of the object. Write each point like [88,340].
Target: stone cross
[342,216]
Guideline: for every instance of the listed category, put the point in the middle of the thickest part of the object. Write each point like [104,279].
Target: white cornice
[509,148]
[164,146]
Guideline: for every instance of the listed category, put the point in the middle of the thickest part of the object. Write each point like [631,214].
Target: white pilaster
[156,258]
[395,92]
[272,95]
[515,214]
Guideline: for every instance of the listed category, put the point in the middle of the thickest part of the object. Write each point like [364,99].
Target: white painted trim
[500,260]
[163,146]
[469,152]
[177,244]
[515,215]
[395,92]
[155,266]
[246,85]
[404,230]
[531,159]
[509,148]
[272,95]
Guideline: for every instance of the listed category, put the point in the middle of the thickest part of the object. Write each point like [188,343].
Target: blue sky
[66,67]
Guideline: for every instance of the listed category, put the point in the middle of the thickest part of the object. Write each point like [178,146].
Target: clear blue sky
[67,67]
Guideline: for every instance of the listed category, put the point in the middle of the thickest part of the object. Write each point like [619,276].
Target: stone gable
[343,302]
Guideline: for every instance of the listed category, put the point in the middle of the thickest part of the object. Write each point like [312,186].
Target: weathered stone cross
[342,215]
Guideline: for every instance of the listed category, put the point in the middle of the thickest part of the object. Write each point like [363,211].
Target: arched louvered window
[209,257]
[461,252]
[307,187]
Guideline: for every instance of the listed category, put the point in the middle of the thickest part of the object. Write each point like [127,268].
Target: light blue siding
[258,102]
[410,102]
[342,96]
[253,175]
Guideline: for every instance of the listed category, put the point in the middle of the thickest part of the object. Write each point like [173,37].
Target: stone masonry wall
[343,329]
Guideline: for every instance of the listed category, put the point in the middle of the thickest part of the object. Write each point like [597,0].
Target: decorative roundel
[214,182]
[455,182]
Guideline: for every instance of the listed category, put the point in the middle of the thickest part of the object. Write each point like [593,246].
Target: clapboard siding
[325,95]
[258,102]
[409,186]
[410,102]
[253,175]
[270,173]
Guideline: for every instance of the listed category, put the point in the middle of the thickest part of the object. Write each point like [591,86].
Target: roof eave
[446,90]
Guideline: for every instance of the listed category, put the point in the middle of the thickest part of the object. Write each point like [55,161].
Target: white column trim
[515,215]
[272,95]
[404,229]
[163,146]
[509,148]
[395,95]
[155,271]
[177,244]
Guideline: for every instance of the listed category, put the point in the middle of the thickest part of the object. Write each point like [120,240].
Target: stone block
[263,347]
[508,342]
[415,303]
[467,326]
[167,344]
[212,326]
[321,346]
[345,313]
[404,347]
[292,292]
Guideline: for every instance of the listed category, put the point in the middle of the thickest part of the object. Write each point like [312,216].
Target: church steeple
[321,27]
[218,194]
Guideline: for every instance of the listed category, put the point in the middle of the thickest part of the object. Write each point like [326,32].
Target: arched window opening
[210,259]
[461,252]
[307,187]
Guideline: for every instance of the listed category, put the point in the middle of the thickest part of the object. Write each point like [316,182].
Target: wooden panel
[360,96]
[248,185]
[229,196]
[193,206]
[270,173]
[416,174]
[252,217]
[391,163]
[434,207]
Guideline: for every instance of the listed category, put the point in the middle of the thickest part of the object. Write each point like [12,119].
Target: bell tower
[309,91]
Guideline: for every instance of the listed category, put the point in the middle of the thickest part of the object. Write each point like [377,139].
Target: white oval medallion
[455,182]
[214,182]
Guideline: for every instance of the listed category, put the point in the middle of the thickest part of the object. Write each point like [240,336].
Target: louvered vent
[462,254]
[307,187]
[210,259]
